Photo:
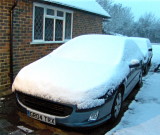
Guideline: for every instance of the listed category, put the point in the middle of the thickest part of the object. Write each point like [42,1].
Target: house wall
[23,51]
[5,5]
[85,23]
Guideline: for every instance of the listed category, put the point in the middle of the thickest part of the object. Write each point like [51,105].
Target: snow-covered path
[143,115]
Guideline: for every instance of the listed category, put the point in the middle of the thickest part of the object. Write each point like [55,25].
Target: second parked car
[146,49]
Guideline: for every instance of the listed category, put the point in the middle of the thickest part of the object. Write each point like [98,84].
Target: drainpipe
[11,40]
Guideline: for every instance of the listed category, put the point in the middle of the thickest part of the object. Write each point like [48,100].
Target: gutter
[11,40]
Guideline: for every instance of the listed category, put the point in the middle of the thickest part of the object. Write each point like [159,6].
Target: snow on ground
[143,115]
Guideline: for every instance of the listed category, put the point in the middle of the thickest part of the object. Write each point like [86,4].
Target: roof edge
[107,16]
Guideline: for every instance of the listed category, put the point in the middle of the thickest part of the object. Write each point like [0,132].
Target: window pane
[60,13]
[49,25]
[68,26]
[38,23]
[59,30]
[50,12]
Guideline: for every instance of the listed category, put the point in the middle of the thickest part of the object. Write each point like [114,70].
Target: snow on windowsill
[47,42]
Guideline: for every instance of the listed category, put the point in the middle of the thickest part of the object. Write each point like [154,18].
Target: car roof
[95,48]
[142,43]
[145,41]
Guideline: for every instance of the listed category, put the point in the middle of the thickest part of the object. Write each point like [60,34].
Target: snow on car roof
[80,71]
[142,44]
[85,5]
[145,40]
[90,48]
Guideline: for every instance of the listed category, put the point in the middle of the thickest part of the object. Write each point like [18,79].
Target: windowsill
[47,42]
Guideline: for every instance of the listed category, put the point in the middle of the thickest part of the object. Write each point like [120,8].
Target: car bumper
[76,119]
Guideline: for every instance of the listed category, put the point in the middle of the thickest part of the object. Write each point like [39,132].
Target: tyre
[117,105]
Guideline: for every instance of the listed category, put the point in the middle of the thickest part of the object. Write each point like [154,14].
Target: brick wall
[24,52]
[85,23]
[5,5]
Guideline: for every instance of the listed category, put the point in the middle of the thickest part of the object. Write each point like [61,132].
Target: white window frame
[54,17]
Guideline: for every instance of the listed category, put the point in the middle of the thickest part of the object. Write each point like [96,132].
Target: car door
[132,79]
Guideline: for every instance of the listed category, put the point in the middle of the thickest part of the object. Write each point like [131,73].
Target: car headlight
[109,94]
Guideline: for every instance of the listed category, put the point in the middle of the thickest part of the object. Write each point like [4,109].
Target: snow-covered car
[155,66]
[146,49]
[149,45]
[82,83]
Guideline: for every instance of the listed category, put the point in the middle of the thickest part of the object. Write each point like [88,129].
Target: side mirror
[134,63]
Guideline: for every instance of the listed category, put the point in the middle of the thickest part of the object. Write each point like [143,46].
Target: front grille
[44,105]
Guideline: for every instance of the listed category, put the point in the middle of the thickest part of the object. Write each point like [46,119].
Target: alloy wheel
[117,104]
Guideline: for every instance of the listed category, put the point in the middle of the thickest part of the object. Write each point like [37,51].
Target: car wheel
[140,82]
[117,105]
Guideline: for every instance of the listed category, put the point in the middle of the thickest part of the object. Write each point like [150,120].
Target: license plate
[41,117]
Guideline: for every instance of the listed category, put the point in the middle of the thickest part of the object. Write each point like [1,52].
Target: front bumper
[76,119]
